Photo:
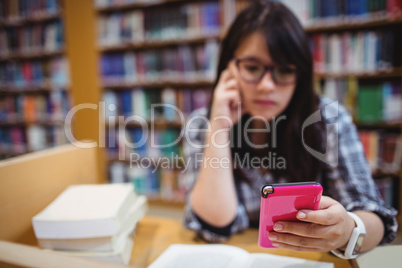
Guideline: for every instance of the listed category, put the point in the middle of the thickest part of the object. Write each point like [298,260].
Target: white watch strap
[357,232]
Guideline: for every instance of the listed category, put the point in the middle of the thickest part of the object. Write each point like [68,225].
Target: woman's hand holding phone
[321,230]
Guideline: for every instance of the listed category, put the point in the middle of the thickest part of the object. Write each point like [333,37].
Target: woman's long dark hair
[288,44]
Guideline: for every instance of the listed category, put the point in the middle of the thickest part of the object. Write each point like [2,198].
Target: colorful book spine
[313,12]
[39,38]
[351,53]
[168,23]
[367,103]
[184,63]
[14,10]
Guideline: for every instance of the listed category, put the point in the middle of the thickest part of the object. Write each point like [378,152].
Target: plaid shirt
[349,182]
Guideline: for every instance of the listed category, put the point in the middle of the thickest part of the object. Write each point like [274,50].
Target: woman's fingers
[291,240]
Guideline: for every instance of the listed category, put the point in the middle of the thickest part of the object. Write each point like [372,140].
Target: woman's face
[264,97]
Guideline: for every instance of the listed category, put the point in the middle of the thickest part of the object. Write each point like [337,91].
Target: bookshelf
[34,76]
[171,49]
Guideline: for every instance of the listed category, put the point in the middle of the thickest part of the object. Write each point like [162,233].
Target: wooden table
[154,235]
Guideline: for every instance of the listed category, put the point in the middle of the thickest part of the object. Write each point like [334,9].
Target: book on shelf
[42,37]
[369,103]
[360,52]
[169,103]
[391,153]
[23,9]
[331,12]
[92,221]
[386,188]
[18,140]
[220,256]
[163,65]
[53,74]
[154,144]
[382,150]
[192,20]
[161,183]
[117,172]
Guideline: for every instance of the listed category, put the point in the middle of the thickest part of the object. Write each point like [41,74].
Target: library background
[130,54]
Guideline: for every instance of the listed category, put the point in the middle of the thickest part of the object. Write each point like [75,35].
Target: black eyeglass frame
[267,68]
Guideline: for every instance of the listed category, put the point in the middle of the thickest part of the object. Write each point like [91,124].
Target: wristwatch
[355,240]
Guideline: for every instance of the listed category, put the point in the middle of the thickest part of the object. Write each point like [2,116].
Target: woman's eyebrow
[254,58]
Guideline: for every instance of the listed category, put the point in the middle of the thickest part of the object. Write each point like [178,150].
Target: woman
[262,96]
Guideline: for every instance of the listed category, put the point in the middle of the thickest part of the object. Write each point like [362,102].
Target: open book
[183,256]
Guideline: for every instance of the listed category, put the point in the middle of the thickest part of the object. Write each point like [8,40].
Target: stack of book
[93,221]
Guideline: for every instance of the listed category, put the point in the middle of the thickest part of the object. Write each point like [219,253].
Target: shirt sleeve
[349,180]
[194,139]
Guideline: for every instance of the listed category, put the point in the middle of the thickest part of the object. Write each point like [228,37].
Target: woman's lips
[265,102]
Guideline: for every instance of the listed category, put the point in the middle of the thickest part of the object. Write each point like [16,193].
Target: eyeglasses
[253,71]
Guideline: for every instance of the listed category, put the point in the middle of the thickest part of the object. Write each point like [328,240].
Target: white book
[130,71]
[36,136]
[169,98]
[330,89]
[138,26]
[371,50]
[85,211]
[121,255]
[335,63]
[220,256]
[299,8]
[101,244]
[359,58]
[211,52]
[139,103]
[111,109]
[117,171]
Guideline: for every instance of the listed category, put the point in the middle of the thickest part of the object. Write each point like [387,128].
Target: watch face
[359,244]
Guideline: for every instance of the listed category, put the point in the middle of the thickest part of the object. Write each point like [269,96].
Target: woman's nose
[266,83]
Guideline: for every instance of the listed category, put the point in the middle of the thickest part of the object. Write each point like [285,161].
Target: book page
[257,260]
[217,256]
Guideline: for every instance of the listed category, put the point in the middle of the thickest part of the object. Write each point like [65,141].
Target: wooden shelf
[159,124]
[29,20]
[31,55]
[394,72]
[120,86]
[383,125]
[136,4]
[27,123]
[380,174]
[346,24]
[158,44]
[13,90]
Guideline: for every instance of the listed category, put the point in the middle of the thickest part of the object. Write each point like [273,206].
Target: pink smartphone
[281,202]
